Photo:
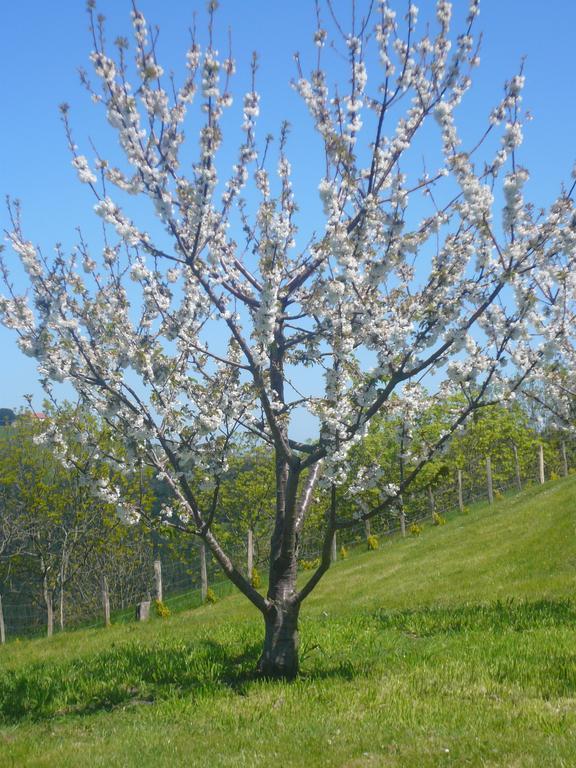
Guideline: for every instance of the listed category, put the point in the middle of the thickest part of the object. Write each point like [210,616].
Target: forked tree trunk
[280,653]
[279,657]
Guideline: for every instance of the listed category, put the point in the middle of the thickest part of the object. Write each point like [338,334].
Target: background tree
[228,320]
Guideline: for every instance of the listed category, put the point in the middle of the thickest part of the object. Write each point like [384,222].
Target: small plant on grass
[438,519]
[255,579]
[372,542]
[310,565]
[415,529]
[211,597]
[161,609]
[343,552]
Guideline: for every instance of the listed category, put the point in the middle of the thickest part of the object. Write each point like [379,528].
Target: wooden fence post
[158,579]
[541,476]
[564,459]
[431,501]
[250,545]
[2,626]
[105,600]
[489,480]
[460,492]
[333,551]
[47,594]
[402,517]
[367,529]
[517,468]
[203,573]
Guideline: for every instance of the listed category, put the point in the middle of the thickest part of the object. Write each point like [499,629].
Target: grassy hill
[454,648]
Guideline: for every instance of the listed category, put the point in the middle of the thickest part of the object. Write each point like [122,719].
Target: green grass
[455,648]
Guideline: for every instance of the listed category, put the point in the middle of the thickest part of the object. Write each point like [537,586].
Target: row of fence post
[158,586]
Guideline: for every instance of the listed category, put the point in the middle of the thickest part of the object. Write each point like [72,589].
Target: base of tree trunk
[279,659]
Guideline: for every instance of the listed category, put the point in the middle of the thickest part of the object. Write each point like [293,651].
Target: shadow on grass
[135,674]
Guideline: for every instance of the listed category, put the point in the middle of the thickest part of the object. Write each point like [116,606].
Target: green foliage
[255,579]
[161,609]
[211,597]
[343,552]
[372,542]
[310,565]
[438,519]
[415,529]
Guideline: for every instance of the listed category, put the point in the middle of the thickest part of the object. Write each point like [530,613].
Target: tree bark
[279,657]
[334,552]
[367,528]
[460,492]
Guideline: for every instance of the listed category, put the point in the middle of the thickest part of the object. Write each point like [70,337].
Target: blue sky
[44,44]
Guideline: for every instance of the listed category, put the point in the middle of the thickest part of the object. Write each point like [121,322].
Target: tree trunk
[280,653]
[460,492]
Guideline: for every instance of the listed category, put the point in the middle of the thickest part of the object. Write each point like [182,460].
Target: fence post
[517,468]
[2,627]
[460,493]
[367,529]
[541,476]
[158,579]
[105,600]
[47,594]
[203,572]
[333,551]
[402,517]
[431,501]
[564,459]
[250,545]
[489,480]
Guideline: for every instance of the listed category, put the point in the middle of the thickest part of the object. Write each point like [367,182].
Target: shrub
[310,565]
[372,542]
[415,529]
[161,609]
[343,552]
[438,519]
[211,597]
[554,476]
[498,495]
[255,579]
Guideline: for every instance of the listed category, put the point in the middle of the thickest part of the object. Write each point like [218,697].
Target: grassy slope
[413,656]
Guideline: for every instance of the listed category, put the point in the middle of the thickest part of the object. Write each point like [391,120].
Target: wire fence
[181,584]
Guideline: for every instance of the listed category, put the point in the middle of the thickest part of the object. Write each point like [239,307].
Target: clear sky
[43,44]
